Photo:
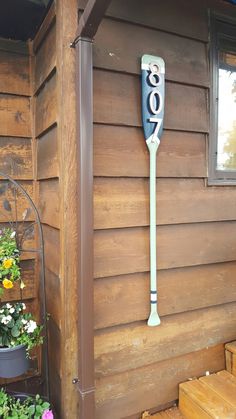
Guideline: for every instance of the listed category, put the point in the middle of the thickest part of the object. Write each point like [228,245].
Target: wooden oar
[153,91]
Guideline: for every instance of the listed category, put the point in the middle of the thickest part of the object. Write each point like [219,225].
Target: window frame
[222,32]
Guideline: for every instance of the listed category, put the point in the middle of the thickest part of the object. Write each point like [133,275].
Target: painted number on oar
[153,90]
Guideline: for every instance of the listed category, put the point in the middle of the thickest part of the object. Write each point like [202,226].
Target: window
[222,150]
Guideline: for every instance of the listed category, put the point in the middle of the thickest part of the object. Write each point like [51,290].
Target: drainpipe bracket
[82,392]
[85,393]
[80,38]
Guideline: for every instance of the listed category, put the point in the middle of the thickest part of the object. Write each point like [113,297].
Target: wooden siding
[139,368]
[44,81]
[16,145]
[55,137]
[121,152]
[153,385]
[16,160]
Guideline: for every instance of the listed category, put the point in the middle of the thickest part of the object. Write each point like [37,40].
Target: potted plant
[9,259]
[19,333]
[24,407]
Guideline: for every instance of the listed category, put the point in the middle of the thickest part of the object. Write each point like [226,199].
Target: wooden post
[66,22]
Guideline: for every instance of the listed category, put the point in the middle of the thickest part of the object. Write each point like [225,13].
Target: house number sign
[153,95]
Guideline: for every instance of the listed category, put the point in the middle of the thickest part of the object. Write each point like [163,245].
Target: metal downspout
[87,29]
[84,92]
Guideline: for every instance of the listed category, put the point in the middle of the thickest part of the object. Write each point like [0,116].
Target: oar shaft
[154,319]
[153,218]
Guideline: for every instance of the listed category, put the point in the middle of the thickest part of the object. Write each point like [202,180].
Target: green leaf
[15,332]
[11,324]
[39,409]
[45,405]
[31,409]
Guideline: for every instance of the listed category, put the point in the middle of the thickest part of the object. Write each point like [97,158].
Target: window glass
[226,144]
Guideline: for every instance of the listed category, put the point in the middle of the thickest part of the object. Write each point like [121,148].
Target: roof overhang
[20,19]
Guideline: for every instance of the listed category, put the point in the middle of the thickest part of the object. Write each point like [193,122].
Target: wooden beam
[91,19]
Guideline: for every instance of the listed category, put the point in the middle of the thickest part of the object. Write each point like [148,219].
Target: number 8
[154,76]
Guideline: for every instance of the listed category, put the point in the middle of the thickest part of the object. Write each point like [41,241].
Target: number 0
[154,99]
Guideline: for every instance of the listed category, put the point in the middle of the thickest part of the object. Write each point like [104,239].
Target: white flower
[6,319]
[1,311]
[31,326]
[23,306]
[13,234]
[8,305]
[12,310]
[24,321]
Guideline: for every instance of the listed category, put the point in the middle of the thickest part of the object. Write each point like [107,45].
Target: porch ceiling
[20,19]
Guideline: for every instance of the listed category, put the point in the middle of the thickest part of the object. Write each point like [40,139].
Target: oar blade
[153,96]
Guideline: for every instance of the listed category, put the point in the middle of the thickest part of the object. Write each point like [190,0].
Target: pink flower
[47,414]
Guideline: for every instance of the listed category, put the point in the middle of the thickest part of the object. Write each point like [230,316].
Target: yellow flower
[7,284]
[7,263]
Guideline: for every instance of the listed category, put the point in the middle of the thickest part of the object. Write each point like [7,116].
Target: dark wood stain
[196,244]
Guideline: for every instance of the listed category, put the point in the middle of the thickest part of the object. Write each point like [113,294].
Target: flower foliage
[9,259]
[32,407]
[18,327]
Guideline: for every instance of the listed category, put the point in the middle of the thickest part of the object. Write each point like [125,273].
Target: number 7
[157,128]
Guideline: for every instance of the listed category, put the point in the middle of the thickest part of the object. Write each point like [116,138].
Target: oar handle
[154,319]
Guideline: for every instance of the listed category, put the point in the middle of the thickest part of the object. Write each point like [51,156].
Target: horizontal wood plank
[125,202]
[117,100]
[14,46]
[17,203]
[224,384]
[51,246]
[28,245]
[46,107]
[49,202]
[15,116]
[45,59]
[185,59]
[122,151]
[199,400]
[16,157]
[124,348]
[125,299]
[138,390]
[187,19]
[47,155]
[14,73]
[125,251]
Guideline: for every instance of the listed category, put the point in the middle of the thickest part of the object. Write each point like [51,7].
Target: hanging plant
[18,327]
[19,333]
[9,260]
